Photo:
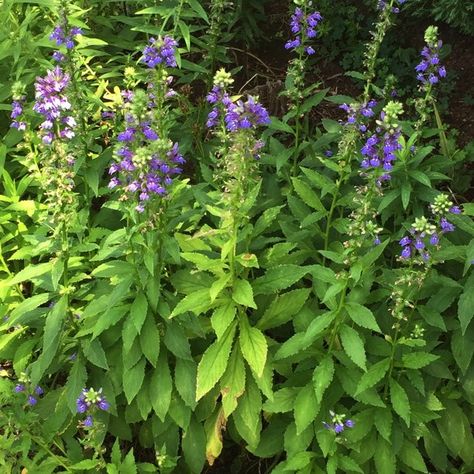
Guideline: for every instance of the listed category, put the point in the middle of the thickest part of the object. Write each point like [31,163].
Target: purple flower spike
[303,26]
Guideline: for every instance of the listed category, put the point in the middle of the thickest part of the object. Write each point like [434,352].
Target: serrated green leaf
[418,360]
[222,317]
[322,377]
[197,302]
[242,293]
[76,381]
[283,400]
[133,380]
[161,387]
[278,278]
[138,311]
[383,421]
[466,304]
[362,316]
[233,382]
[400,402]
[253,345]
[306,408]
[308,196]
[214,362]
[30,272]
[375,373]
[410,456]
[150,340]
[353,346]
[283,308]
[384,457]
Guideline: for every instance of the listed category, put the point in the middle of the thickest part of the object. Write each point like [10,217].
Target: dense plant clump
[190,280]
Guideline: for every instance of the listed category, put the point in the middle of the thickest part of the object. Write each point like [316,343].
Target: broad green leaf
[233,382]
[6,339]
[306,408]
[242,293]
[283,308]
[218,286]
[278,278]
[133,380]
[322,377]
[26,306]
[362,316]
[303,340]
[150,340]
[308,196]
[185,381]
[347,464]
[418,360]
[94,353]
[194,446]
[138,311]
[385,460]
[253,345]
[161,387]
[197,302]
[400,402]
[247,416]
[214,362]
[283,400]
[451,427]
[51,337]
[375,373]
[410,456]
[353,346]
[75,383]
[113,268]
[197,7]
[383,421]
[176,340]
[30,272]
[222,317]
[466,304]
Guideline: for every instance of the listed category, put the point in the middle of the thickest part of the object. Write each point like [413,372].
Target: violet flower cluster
[424,234]
[238,115]
[23,384]
[338,423]
[17,112]
[88,402]
[53,104]
[379,150]
[160,51]
[219,99]
[430,70]
[358,113]
[64,36]
[244,115]
[303,26]
[146,164]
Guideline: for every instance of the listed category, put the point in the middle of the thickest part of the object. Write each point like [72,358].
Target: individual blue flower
[32,400]
[88,421]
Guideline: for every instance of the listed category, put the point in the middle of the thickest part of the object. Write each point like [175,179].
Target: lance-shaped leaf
[214,362]
[253,345]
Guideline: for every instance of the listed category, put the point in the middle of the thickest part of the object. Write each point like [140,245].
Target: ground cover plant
[205,270]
